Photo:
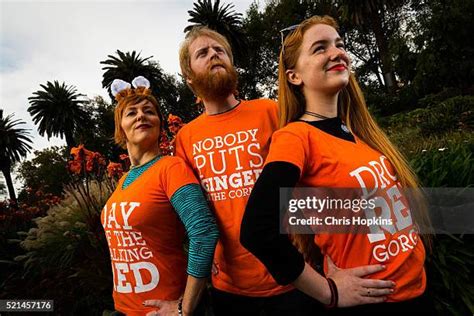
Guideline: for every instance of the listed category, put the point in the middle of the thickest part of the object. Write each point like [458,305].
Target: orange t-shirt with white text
[326,161]
[227,152]
[145,237]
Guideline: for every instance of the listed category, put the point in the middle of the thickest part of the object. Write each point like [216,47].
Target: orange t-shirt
[145,237]
[227,152]
[327,161]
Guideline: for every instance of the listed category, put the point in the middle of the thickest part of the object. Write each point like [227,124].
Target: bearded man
[226,147]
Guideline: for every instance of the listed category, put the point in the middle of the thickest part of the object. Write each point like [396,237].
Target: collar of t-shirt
[135,172]
[333,126]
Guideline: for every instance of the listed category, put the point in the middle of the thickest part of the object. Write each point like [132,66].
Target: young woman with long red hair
[328,139]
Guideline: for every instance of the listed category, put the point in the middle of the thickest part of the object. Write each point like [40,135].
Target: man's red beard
[216,85]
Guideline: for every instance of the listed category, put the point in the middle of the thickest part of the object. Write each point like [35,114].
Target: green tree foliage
[446,51]
[186,107]
[46,172]
[99,127]
[398,29]
[432,59]
[260,76]
[57,109]
[414,43]
[15,143]
[368,27]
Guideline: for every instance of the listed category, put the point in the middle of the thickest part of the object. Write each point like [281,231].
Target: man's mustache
[217,63]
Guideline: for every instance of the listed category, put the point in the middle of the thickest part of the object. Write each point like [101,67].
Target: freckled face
[323,64]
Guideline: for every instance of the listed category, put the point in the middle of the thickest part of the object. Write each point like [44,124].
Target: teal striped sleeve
[200,225]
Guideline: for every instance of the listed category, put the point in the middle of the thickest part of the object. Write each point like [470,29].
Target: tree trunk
[70,139]
[385,57]
[374,66]
[8,179]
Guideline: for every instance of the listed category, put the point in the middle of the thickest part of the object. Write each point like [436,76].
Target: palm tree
[58,110]
[222,19]
[14,145]
[127,66]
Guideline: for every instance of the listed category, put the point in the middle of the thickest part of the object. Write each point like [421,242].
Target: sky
[65,40]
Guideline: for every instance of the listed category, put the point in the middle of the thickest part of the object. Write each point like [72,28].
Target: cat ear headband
[118,85]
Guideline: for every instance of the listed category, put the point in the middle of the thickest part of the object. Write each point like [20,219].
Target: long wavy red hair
[353,111]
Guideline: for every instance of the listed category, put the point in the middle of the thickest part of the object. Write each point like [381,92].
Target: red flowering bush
[38,203]
[86,161]
[114,170]
[175,123]
[165,145]
[89,169]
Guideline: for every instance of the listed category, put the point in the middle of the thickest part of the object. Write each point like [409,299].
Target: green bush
[433,99]
[66,258]
[449,266]
[445,124]
[450,279]
[452,114]
[388,103]
[446,167]
[384,103]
